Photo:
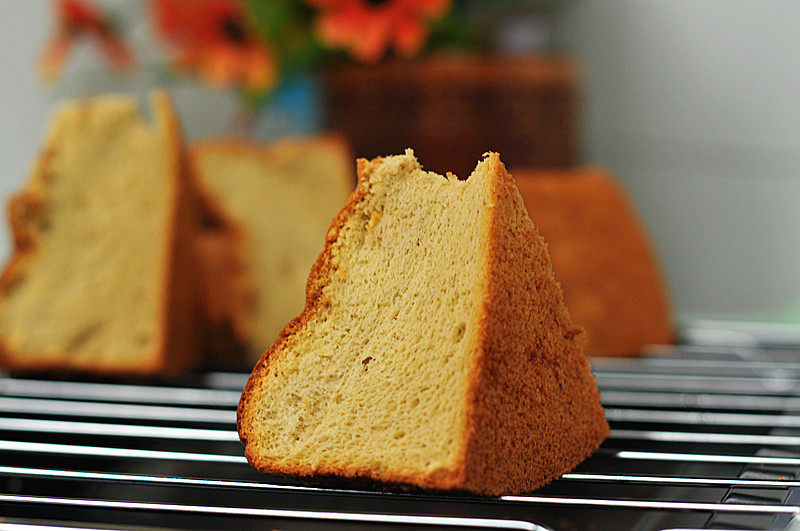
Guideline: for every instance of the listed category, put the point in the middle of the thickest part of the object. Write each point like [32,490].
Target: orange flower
[213,38]
[76,20]
[368,29]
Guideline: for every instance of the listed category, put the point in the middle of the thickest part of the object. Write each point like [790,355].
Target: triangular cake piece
[102,277]
[282,197]
[435,349]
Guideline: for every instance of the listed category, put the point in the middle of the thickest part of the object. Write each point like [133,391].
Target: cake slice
[435,349]
[102,277]
[282,197]
[222,286]
[602,256]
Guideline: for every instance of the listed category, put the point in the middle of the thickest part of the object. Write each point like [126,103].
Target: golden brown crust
[178,348]
[23,214]
[224,292]
[602,256]
[22,210]
[507,403]
[534,401]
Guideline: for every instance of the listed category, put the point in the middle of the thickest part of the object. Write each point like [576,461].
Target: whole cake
[281,197]
[435,349]
[602,257]
[102,276]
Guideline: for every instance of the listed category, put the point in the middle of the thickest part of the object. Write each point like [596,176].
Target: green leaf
[271,17]
[287,26]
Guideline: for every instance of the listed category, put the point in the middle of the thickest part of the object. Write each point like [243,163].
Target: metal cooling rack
[702,437]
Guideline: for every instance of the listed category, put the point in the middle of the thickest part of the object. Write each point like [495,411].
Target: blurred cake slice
[101,278]
[602,256]
[282,197]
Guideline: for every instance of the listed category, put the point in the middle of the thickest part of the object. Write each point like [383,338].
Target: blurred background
[691,105]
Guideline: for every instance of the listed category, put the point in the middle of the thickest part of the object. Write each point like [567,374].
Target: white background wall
[23,108]
[694,104]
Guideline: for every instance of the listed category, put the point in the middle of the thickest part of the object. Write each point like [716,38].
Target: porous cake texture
[435,349]
[602,256]
[101,278]
[282,197]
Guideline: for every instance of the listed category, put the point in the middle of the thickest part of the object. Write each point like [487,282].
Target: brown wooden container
[452,108]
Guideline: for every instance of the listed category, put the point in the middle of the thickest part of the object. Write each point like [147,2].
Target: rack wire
[701,438]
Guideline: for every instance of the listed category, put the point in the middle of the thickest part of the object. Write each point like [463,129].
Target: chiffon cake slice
[435,349]
[101,276]
[282,197]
